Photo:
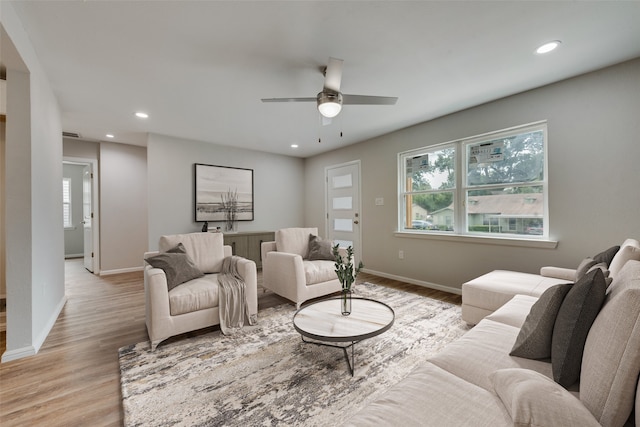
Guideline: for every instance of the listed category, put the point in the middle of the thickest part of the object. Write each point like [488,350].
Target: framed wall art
[223,193]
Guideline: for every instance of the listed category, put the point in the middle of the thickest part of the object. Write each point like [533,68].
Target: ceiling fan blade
[333,75]
[289,99]
[368,100]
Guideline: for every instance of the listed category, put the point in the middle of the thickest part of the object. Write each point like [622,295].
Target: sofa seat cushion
[492,290]
[483,350]
[197,294]
[515,312]
[535,400]
[319,271]
[431,396]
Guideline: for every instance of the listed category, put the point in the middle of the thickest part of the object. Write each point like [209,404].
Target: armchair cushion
[205,249]
[177,266]
[295,240]
[319,271]
[198,294]
[320,249]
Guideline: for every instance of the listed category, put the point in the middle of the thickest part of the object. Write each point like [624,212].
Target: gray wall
[594,201]
[123,207]
[278,185]
[34,236]
[74,237]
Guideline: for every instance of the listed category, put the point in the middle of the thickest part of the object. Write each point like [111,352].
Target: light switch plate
[379,201]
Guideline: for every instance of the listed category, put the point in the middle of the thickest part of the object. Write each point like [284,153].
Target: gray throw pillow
[320,249]
[177,266]
[534,339]
[606,256]
[584,266]
[575,317]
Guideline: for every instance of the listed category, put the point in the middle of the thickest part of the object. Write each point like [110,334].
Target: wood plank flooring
[74,380]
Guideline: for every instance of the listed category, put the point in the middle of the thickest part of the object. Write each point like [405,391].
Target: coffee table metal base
[350,363]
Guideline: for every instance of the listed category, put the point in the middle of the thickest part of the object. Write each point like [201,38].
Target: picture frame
[215,185]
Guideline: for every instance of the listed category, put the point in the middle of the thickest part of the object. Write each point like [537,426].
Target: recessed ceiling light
[109,135]
[294,145]
[142,115]
[548,47]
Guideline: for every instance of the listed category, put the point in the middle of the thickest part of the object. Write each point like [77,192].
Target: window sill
[483,240]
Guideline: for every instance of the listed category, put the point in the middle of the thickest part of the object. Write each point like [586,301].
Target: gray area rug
[266,376]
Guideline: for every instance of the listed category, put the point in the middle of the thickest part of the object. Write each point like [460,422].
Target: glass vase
[345,302]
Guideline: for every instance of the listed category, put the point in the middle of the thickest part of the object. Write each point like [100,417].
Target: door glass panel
[342,181]
[342,202]
[343,243]
[342,224]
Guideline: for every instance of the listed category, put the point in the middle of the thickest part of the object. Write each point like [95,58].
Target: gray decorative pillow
[320,249]
[177,266]
[575,317]
[534,339]
[584,266]
[605,270]
[606,256]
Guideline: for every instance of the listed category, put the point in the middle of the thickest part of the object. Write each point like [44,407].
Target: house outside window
[492,184]
[66,202]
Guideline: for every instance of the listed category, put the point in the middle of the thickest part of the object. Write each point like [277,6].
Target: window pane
[514,210]
[66,202]
[515,159]
[431,170]
[432,211]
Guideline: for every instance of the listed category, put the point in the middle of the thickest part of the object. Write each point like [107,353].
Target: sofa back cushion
[205,249]
[611,360]
[295,240]
[629,250]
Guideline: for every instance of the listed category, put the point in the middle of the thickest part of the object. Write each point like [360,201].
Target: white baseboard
[429,285]
[18,353]
[31,350]
[120,270]
[52,321]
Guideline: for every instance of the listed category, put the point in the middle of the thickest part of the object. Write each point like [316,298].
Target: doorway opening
[80,211]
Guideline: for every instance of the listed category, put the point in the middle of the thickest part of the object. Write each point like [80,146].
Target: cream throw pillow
[535,400]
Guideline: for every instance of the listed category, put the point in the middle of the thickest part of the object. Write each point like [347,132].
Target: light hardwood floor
[74,380]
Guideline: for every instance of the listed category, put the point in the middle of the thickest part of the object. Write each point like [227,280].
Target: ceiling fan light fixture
[329,104]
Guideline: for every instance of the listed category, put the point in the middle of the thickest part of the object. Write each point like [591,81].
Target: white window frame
[460,231]
[67,203]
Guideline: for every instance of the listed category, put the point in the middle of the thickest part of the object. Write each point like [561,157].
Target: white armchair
[288,271]
[194,304]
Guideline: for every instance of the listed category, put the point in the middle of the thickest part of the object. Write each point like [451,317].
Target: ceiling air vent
[70,134]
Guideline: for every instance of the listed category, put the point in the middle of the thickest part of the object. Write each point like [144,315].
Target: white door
[343,206]
[87,216]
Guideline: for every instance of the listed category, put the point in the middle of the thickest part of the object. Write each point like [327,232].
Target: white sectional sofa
[475,382]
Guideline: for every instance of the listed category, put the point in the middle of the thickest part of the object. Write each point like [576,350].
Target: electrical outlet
[401,254]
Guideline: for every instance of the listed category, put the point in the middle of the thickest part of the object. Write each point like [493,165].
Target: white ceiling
[200,68]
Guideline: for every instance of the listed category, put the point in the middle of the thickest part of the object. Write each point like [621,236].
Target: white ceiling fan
[330,100]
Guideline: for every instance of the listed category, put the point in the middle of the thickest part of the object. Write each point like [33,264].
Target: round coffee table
[323,321]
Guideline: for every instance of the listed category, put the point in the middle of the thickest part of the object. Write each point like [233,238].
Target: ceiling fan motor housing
[329,103]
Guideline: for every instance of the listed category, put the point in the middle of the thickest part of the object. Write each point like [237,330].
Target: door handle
[356,222]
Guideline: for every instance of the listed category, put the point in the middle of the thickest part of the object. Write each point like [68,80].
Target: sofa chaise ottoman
[485,294]
[475,382]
